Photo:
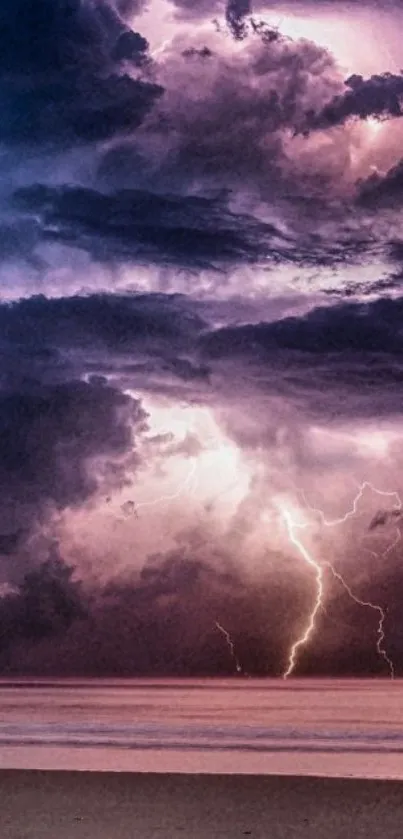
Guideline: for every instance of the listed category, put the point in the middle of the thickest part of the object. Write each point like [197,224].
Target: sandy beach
[81,805]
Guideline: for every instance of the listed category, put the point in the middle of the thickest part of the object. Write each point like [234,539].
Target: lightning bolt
[189,485]
[310,626]
[353,510]
[292,525]
[375,607]
[230,645]
[318,568]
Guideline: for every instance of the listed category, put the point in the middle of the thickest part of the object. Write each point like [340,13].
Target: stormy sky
[201,378]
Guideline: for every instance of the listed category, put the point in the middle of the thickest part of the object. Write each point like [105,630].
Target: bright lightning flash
[216,452]
[292,524]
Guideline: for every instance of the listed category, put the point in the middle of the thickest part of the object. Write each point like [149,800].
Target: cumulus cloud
[224,117]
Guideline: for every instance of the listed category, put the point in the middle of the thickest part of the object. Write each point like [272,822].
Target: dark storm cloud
[139,226]
[328,332]
[156,324]
[18,240]
[236,11]
[378,96]
[163,620]
[146,340]
[65,72]
[51,435]
[383,191]
[367,288]
[46,603]
[350,349]
[214,107]
[341,361]
[110,323]
[222,124]
[58,443]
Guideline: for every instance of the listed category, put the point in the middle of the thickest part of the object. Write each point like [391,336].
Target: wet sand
[81,805]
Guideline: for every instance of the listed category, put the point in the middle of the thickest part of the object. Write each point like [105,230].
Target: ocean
[333,727]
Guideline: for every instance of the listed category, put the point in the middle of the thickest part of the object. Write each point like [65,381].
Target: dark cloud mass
[383,190]
[60,441]
[379,96]
[236,12]
[66,73]
[371,327]
[164,621]
[50,435]
[138,226]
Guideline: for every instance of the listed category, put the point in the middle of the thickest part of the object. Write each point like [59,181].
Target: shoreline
[37,804]
[365,766]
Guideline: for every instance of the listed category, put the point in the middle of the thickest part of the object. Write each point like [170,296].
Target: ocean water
[309,727]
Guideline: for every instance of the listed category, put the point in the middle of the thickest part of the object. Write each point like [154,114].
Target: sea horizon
[320,727]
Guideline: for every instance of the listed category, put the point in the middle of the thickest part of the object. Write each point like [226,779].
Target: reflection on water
[310,727]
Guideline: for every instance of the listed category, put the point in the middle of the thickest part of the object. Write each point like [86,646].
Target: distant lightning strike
[318,567]
[382,616]
[230,645]
[189,485]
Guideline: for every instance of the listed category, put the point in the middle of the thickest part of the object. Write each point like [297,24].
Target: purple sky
[201,258]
